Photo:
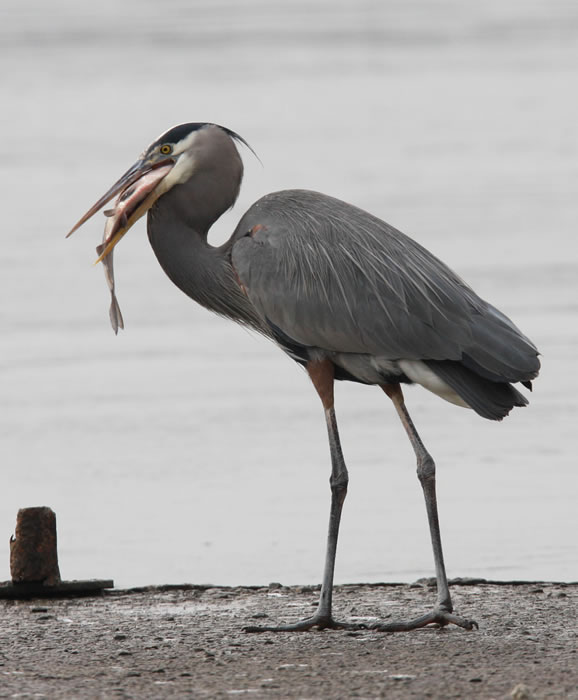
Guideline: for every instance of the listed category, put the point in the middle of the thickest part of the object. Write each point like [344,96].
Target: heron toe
[318,621]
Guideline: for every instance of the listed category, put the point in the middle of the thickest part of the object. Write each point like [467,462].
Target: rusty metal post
[33,552]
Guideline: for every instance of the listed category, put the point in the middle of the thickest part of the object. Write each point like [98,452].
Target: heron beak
[137,190]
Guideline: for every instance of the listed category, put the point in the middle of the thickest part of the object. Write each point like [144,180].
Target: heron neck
[202,271]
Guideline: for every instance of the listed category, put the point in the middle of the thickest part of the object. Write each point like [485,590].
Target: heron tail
[489,399]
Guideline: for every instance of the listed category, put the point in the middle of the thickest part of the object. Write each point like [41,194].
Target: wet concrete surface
[188,641]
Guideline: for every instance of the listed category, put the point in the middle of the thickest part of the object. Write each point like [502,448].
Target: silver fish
[114,313]
[130,203]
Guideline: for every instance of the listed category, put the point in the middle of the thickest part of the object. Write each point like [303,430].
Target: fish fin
[116,320]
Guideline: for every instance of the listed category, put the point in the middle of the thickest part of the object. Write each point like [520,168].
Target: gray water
[186,449]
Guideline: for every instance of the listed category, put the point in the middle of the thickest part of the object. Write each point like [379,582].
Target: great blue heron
[341,292]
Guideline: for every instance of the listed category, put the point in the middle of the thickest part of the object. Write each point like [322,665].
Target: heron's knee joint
[339,483]
[426,468]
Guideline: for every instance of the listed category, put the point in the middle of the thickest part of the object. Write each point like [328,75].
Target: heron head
[172,159]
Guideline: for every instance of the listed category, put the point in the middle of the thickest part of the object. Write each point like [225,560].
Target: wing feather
[331,276]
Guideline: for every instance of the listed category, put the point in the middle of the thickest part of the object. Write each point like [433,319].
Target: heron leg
[322,376]
[442,613]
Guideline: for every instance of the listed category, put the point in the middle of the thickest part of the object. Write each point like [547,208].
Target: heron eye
[166,149]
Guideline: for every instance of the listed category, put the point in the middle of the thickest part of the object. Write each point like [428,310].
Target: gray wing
[331,276]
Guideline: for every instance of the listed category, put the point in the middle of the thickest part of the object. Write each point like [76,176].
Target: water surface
[187,449]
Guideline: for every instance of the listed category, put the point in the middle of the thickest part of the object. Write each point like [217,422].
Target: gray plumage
[340,291]
[332,277]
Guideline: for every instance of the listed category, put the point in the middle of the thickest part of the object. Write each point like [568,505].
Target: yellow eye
[166,149]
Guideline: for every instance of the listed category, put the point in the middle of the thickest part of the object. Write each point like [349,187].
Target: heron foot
[321,622]
[438,617]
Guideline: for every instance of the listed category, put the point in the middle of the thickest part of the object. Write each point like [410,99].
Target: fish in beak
[137,190]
